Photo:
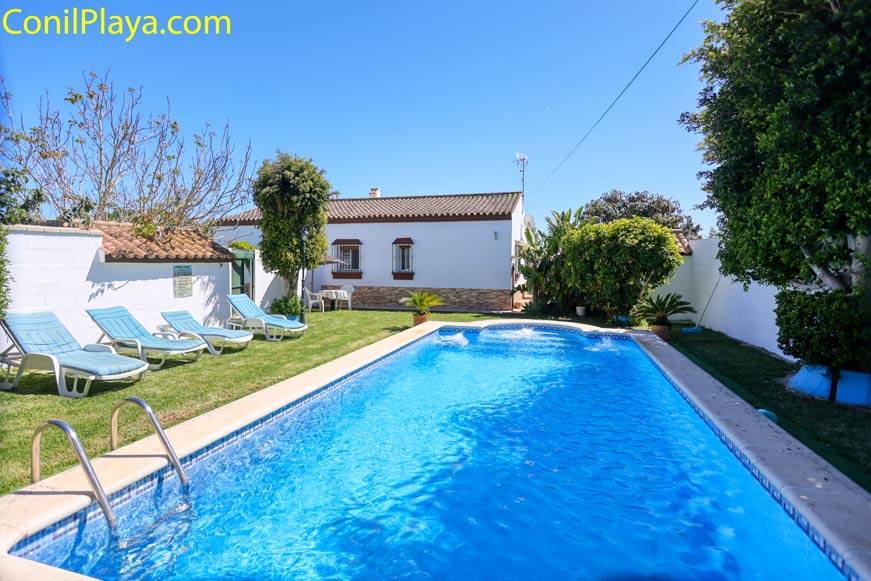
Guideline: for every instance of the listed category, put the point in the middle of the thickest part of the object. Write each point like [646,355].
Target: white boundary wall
[60,270]
[744,315]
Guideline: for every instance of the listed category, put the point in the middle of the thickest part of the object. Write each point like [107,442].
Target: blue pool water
[515,454]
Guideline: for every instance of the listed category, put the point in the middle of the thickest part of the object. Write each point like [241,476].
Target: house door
[243,273]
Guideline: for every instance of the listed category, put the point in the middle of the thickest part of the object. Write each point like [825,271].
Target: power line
[617,98]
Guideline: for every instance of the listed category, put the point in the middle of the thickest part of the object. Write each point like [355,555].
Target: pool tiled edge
[830,508]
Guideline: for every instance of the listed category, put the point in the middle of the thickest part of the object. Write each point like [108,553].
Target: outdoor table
[331,295]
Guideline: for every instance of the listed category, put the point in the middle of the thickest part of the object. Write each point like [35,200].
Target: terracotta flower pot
[661,331]
[418,319]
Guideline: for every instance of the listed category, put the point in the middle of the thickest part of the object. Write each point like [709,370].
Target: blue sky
[413,97]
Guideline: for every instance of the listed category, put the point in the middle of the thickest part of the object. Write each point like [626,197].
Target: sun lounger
[124,332]
[216,338]
[41,341]
[247,315]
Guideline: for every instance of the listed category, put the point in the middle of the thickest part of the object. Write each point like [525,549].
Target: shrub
[541,308]
[657,309]
[615,264]
[241,245]
[287,305]
[824,328]
[422,301]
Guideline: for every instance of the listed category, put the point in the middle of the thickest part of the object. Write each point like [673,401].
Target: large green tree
[618,263]
[292,194]
[786,118]
[616,204]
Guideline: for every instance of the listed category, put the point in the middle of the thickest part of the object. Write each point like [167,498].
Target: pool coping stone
[823,501]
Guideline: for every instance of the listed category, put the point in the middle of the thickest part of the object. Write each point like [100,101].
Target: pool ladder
[161,435]
[85,462]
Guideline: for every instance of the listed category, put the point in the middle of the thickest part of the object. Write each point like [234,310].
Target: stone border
[829,507]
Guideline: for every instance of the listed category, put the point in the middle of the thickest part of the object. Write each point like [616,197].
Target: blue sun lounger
[41,341]
[249,316]
[124,332]
[216,338]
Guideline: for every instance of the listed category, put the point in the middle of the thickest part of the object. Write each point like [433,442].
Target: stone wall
[454,299]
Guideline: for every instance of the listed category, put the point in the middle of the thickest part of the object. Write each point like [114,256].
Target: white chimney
[374,192]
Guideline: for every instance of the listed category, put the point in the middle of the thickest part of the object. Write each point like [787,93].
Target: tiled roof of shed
[442,208]
[122,244]
[682,242]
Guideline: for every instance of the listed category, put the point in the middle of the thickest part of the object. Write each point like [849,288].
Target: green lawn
[183,390]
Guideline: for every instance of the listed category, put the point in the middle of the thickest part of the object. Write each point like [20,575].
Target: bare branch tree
[102,153]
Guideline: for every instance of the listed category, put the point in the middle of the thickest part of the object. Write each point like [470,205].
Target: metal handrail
[73,437]
[113,439]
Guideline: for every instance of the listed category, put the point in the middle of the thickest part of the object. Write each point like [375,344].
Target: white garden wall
[745,315]
[60,270]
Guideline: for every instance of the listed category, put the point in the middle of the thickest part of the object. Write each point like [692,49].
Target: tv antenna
[522,161]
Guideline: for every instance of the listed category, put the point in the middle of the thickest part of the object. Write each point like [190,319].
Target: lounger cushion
[156,344]
[41,333]
[291,323]
[249,310]
[226,333]
[118,324]
[184,321]
[99,364]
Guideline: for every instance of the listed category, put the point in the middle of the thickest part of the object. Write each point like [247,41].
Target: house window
[402,259]
[347,252]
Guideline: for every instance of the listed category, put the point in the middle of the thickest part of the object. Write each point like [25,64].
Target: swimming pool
[524,453]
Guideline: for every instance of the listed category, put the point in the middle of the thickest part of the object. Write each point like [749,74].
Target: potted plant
[422,302]
[657,309]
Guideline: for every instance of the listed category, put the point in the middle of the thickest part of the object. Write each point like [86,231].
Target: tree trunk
[828,278]
[861,247]
[834,375]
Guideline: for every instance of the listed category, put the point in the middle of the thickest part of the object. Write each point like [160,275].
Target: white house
[459,246]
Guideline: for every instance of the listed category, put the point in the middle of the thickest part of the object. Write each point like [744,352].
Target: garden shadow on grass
[44,384]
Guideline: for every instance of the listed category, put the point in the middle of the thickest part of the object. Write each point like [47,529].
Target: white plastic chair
[344,294]
[311,299]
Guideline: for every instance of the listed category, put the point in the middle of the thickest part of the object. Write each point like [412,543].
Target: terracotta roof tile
[682,242]
[441,208]
[122,244]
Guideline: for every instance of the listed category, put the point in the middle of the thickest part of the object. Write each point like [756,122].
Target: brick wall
[461,299]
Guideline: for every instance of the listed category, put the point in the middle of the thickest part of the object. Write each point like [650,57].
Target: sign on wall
[182,282]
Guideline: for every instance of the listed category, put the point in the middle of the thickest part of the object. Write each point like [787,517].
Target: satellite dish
[529,221]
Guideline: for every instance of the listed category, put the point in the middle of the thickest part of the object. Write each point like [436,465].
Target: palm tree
[657,309]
